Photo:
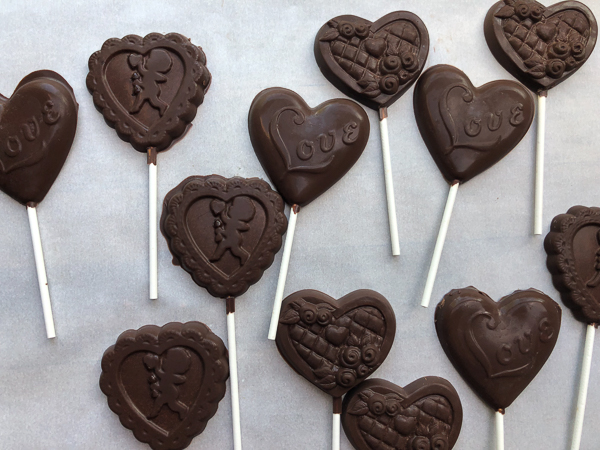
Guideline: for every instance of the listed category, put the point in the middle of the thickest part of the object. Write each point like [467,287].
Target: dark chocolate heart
[305,150]
[148,89]
[223,232]
[467,129]
[573,248]
[373,62]
[498,348]
[37,128]
[335,344]
[541,46]
[165,383]
[426,414]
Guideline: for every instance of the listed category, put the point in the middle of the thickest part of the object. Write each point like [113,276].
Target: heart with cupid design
[540,46]
[165,383]
[467,129]
[304,150]
[148,89]
[426,414]
[335,344]
[498,348]
[223,232]
[37,128]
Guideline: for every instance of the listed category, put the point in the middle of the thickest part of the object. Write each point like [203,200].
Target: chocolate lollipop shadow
[37,128]
[224,233]
[149,89]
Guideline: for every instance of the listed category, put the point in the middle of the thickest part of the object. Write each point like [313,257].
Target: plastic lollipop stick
[499,430]
[539,163]
[389,182]
[233,374]
[439,245]
[41,271]
[283,270]
[337,414]
[583,386]
[153,218]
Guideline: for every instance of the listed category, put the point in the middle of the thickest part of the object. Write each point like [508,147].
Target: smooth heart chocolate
[426,414]
[305,150]
[148,89]
[373,62]
[335,344]
[498,348]
[467,129]
[165,383]
[540,46]
[223,231]
[573,248]
[37,128]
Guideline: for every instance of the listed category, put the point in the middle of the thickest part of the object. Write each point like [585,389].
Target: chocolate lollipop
[498,348]
[375,63]
[573,248]
[335,344]
[541,47]
[37,128]
[224,232]
[148,89]
[165,383]
[467,130]
[426,414]
[304,151]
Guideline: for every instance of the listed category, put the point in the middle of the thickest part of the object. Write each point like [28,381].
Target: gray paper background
[94,227]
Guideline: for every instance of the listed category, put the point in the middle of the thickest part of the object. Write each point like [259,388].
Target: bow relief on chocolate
[573,248]
[303,152]
[542,44]
[427,414]
[334,347]
[224,232]
[165,383]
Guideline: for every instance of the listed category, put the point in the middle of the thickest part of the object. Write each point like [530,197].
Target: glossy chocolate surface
[37,128]
[223,231]
[426,414]
[468,129]
[540,46]
[373,62]
[498,348]
[148,89]
[335,344]
[573,248]
[165,383]
[305,150]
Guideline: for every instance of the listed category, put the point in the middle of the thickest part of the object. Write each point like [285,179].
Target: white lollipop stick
[389,181]
[539,163]
[499,430]
[283,270]
[337,414]
[583,386]
[41,271]
[152,201]
[233,374]
[439,245]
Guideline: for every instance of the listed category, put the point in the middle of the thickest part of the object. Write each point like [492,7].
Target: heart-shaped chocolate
[223,232]
[37,128]
[573,248]
[540,46]
[426,414]
[373,62]
[498,348]
[467,129]
[305,150]
[335,344]
[148,89]
[165,383]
